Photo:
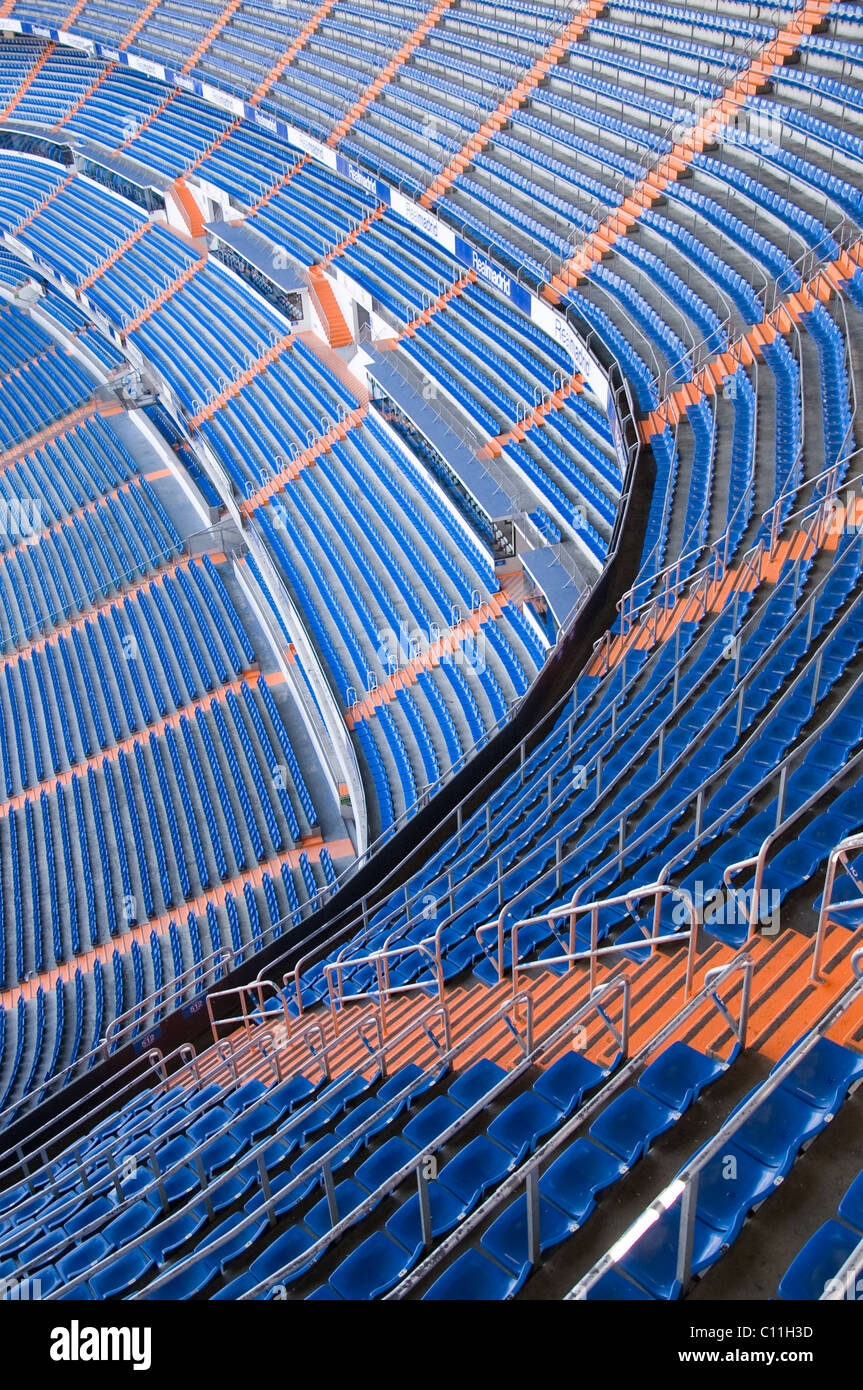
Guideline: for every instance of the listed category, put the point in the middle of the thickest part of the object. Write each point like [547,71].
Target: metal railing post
[686,1236]
[534,1242]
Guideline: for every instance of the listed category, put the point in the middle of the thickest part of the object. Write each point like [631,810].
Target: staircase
[338,332]
[37,67]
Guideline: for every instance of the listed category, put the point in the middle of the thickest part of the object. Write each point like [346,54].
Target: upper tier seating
[201,729]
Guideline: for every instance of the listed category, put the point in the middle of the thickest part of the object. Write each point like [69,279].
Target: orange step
[187,205]
[672,165]
[66,970]
[236,386]
[211,149]
[490,127]
[73,14]
[783,1007]
[124,246]
[279,184]
[212,33]
[124,745]
[436,652]
[290,53]
[155,304]
[342,246]
[85,97]
[386,76]
[37,67]
[824,283]
[338,332]
[136,28]
[457,288]
[149,120]
[322,445]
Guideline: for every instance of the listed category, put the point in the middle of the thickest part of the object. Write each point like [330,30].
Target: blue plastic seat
[567,1080]
[284,1194]
[287,1247]
[348,1195]
[480,1165]
[730,1185]
[630,1123]
[90,1251]
[474,1277]
[615,1287]
[818,1262]
[432,1120]
[77,1293]
[446,1211]
[175,1234]
[778,1128]
[291,1093]
[184,1179]
[851,1206]
[361,1118]
[473,1084]
[122,1273]
[240,1242]
[94,1210]
[231,1291]
[314,1153]
[506,1238]
[523,1123]
[372,1269]
[130,1223]
[823,1077]
[186,1283]
[575,1177]
[388,1159]
[254,1122]
[652,1261]
[679,1074]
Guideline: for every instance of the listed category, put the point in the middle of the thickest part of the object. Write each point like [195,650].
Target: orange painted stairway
[338,332]
[516,98]
[784,1004]
[649,629]
[290,53]
[670,166]
[398,60]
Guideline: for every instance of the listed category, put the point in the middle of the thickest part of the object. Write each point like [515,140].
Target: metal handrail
[418,1163]
[156,1064]
[838,855]
[620,400]
[109,1042]
[527,1174]
[743,55]
[244,1017]
[256,1154]
[702,832]
[380,960]
[323,1166]
[759,860]
[86,1157]
[815,522]
[657,737]
[136,1014]
[595,950]
[684,1188]
[818,512]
